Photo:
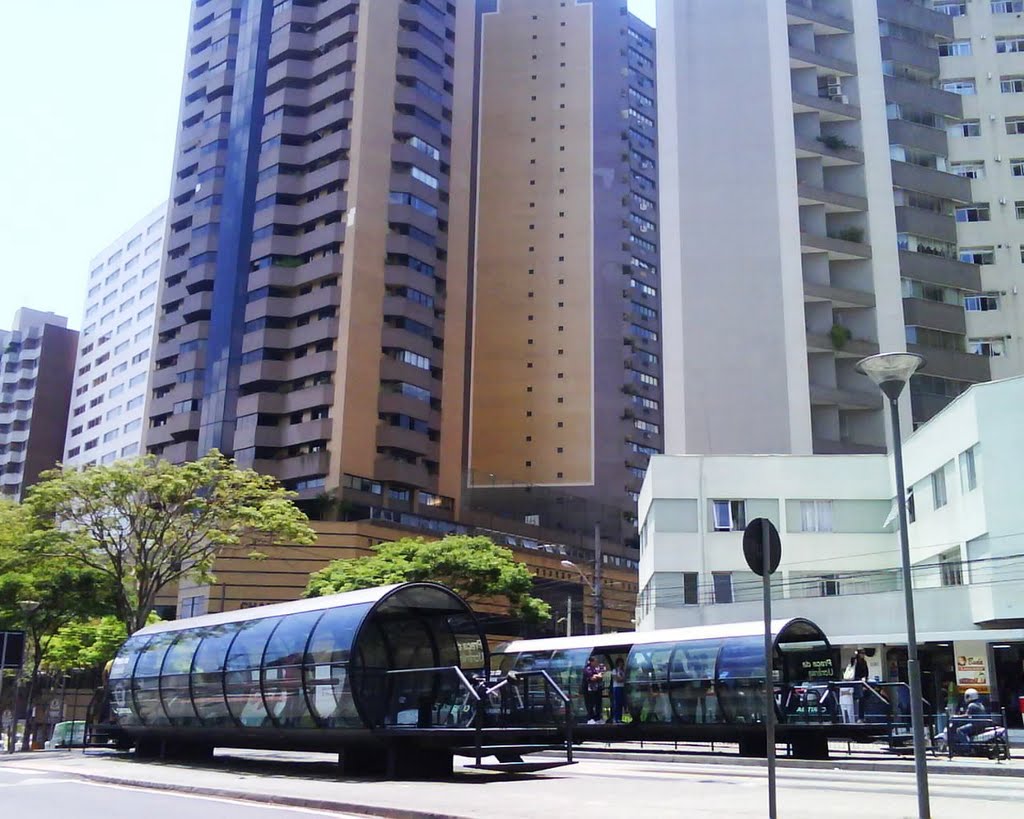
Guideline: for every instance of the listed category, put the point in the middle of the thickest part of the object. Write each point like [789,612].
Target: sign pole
[769,678]
[3,667]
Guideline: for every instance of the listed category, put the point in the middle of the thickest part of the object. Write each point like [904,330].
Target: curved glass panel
[120,681]
[327,680]
[692,681]
[146,679]
[208,675]
[368,669]
[282,670]
[741,680]
[412,644]
[174,679]
[647,698]
[566,669]
[242,673]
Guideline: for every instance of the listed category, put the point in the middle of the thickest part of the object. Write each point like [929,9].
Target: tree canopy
[84,644]
[145,523]
[474,567]
[39,593]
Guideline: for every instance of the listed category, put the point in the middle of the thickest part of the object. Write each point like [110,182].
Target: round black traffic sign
[753,537]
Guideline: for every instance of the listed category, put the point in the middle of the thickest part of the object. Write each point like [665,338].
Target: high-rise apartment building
[566,346]
[779,249]
[37,359]
[112,366]
[308,322]
[799,210]
[373,203]
[983,61]
[937,281]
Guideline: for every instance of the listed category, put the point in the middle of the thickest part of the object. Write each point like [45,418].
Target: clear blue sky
[91,100]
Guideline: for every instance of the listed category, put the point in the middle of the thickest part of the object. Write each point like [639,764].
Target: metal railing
[507,701]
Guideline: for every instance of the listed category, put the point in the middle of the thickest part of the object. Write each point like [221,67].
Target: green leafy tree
[474,567]
[146,523]
[85,644]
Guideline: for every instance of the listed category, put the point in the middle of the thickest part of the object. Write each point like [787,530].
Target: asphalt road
[53,785]
[54,796]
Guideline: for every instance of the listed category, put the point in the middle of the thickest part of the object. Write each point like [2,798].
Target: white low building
[840,544]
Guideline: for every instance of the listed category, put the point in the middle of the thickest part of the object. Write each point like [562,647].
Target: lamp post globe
[890,371]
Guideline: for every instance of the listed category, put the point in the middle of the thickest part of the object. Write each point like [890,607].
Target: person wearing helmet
[974,708]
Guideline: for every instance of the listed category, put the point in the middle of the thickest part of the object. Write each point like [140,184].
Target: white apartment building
[985,64]
[112,369]
[840,548]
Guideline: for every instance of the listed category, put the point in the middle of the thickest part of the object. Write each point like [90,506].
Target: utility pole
[598,591]
[568,616]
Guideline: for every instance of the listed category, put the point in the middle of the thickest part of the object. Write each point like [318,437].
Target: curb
[261,798]
[934,766]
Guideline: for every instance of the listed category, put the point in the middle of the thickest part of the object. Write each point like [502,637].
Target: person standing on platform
[860,673]
[618,690]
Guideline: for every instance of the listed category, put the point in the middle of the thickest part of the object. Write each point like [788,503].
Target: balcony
[827,109]
[837,249]
[299,466]
[953,364]
[386,468]
[913,135]
[853,348]
[926,267]
[925,223]
[916,16]
[923,97]
[826,446]
[934,314]
[834,201]
[824,63]
[808,148]
[840,297]
[845,399]
[802,12]
[919,56]
[931,181]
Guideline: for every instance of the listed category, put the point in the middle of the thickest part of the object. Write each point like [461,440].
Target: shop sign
[970,658]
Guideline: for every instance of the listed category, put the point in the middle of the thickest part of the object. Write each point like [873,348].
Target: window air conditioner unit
[1002,200]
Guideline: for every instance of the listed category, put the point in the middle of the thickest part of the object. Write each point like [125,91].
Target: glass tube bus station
[399,679]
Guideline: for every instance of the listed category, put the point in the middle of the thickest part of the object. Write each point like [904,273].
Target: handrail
[463,679]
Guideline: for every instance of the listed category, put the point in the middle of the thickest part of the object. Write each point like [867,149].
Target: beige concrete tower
[565,384]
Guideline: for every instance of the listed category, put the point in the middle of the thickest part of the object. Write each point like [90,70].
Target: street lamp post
[890,372]
[595,591]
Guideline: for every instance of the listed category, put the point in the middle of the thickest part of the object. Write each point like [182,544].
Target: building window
[1014,125]
[968,470]
[938,478]
[967,128]
[690,586]
[975,212]
[990,347]
[951,568]
[982,303]
[828,586]
[950,7]
[1009,45]
[1006,6]
[816,516]
[968,170]
[729,515]
[977,255]
[964,87]
[955,48]
[1011,85]
[722,582]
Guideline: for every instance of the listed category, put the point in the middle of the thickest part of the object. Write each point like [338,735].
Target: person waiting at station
[860,673]
[593,689]
[618,690]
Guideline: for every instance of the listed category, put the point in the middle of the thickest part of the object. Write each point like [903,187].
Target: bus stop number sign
[753,550]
